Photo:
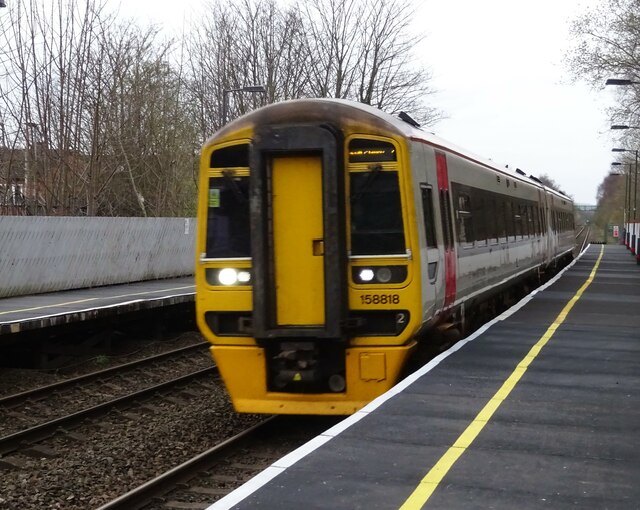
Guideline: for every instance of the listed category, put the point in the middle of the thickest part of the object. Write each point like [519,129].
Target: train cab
[307,277]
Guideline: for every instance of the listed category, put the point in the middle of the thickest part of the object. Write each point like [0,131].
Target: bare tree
[333,38]
[149,140]
[354,49]
[364,50]
[46,46]
[245,43]
[99,117]
[607,45]
[550,183]
[98,111]
[611,197]
[212,65]
[273,49]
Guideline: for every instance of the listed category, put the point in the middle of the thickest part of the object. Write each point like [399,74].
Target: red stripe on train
[449,250]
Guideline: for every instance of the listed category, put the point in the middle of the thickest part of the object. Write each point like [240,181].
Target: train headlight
[379,274]
[366,275]
[384,274]
[228,276]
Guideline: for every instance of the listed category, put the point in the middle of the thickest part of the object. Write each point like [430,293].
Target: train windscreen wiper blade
[228,176]
[374,171]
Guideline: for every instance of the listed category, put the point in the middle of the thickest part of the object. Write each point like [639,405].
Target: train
[333,237]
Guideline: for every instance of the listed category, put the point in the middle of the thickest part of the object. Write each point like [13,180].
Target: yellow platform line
[88,300]
[430,482]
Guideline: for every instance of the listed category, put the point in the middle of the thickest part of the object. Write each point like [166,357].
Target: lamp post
[254,89]
[626,188]
[622,239]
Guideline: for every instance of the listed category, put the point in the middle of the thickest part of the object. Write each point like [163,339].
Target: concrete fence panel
[45,254]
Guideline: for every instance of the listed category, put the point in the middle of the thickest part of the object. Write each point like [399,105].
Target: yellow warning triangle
[297,377]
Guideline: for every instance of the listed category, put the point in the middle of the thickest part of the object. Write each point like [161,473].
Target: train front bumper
[370,371]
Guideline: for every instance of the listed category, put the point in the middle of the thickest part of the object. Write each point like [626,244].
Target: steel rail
[157,487]
[14,441]
[10,400]
[586,239]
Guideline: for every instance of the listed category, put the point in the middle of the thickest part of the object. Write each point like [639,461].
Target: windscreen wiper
[228,176]
[374,171]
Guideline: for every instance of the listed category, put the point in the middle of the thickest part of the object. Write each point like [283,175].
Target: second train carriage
[330,234]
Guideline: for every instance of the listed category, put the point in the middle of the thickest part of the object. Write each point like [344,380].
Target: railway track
[89,462]
[20,398]
[88,398]
[17,440]
[582,239]
[217,471]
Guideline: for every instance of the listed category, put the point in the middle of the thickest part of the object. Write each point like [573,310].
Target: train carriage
[331,234]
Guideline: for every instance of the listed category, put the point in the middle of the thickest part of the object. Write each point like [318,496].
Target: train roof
[339,111]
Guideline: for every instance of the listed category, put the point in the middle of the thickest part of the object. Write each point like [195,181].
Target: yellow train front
[306,274]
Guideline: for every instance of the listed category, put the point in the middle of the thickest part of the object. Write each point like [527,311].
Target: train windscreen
[228,217]
[376,213]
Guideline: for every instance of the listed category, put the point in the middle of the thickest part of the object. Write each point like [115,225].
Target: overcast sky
[497,67]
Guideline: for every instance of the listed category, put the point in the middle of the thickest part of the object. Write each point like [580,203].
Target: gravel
[120,452]
[15,380]
[101,460]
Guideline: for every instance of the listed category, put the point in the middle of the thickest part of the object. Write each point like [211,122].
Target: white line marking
[83,310]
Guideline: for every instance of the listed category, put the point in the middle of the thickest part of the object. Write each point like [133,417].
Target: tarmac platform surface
[540,408]
[25,313]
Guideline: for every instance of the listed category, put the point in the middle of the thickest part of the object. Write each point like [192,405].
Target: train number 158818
[380,299]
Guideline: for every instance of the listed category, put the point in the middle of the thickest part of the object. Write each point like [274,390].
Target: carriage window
[517,220]
[228,217]
[376,213]
[479,222]
[511,230]
[463,214]
[492,216]
[524,213]
[427,211]
[500,223]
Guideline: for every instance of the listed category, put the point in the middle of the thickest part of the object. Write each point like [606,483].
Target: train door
[447,230]
[298,235]
[434,264]
[298,240]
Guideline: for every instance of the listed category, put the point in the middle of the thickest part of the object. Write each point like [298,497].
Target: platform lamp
[621,239]
[620,81]
[253,89]
[634,236]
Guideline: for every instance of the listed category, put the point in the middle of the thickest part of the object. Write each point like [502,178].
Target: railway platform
[540,408]
[24,313]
